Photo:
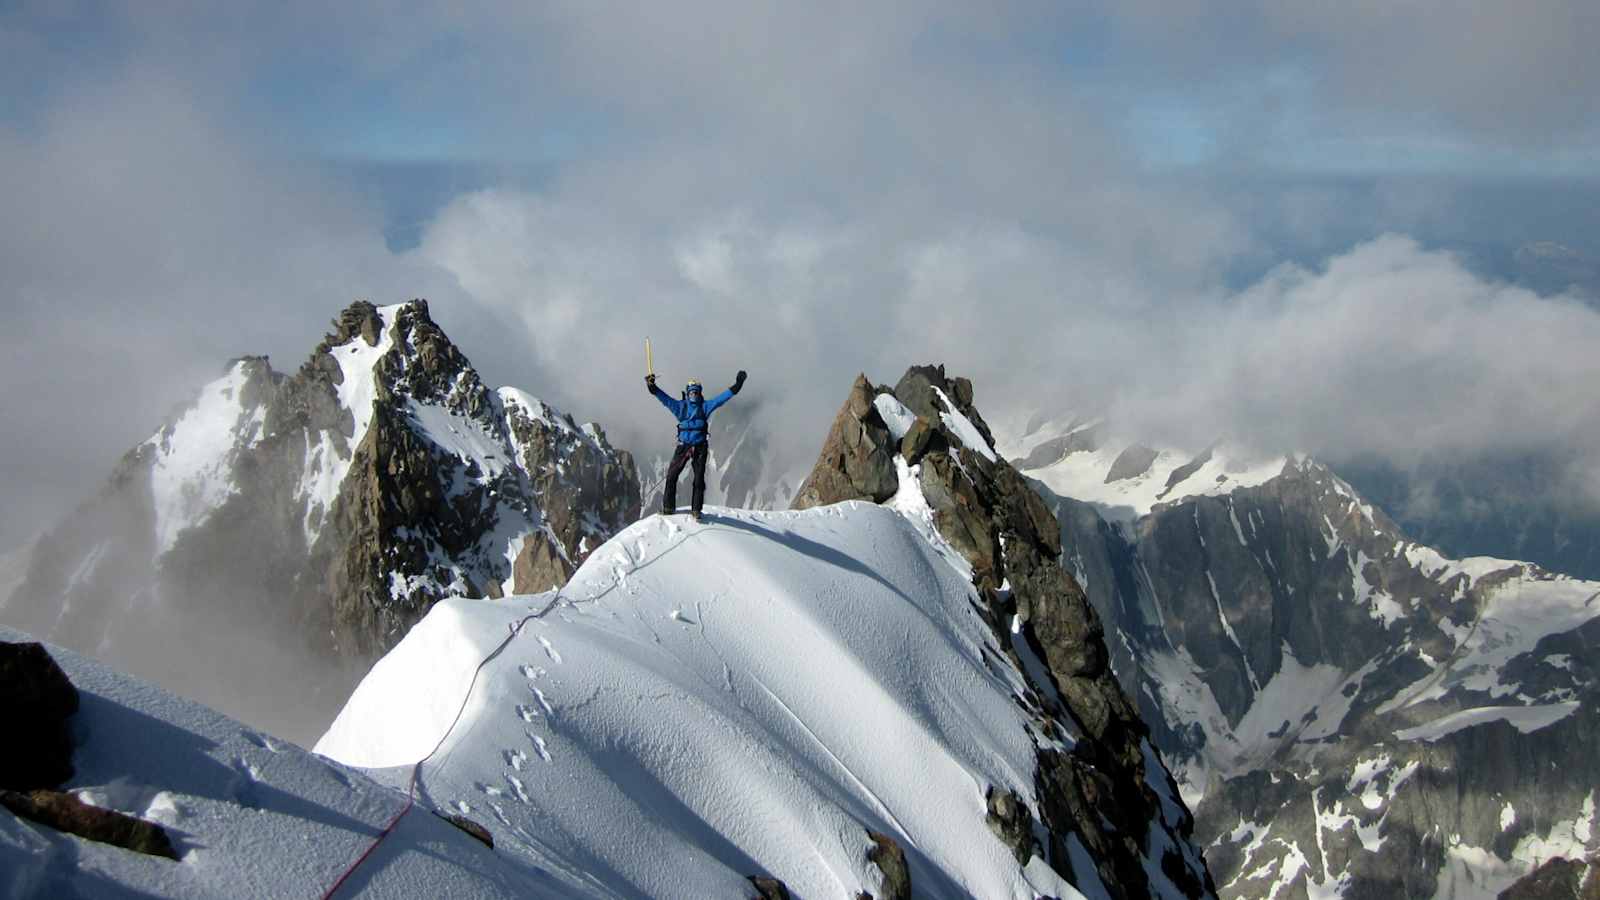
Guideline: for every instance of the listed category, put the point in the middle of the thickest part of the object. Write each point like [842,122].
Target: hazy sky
[1292,221]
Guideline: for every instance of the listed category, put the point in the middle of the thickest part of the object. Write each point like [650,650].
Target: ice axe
[649,361]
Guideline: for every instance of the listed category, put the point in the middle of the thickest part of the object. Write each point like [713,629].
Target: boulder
[891,861]
[857,459]
[36,702]
[1011,822]
[470,827]
[67,813]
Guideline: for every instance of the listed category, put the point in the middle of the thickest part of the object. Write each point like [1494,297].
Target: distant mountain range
[1350,713]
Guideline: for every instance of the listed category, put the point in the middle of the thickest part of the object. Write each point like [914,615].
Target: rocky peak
[427,367]
[1103,788]
[316,517]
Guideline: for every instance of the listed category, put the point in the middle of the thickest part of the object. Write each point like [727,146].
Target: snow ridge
[757,691]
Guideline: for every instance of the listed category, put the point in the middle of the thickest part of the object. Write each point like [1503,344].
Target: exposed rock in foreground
[1102,794]
[36,705]
[243,814]
[66,813]
[273,539]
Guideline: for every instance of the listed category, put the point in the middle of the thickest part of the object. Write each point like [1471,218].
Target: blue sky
[1064,200]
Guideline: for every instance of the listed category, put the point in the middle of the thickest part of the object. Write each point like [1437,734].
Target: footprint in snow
[243,784]
[548,709]
[491,790]
[515,759]
[527,713]
[164,809]
[551,651]
[261,740]
[529,672]
[539,747]
[517,789]
[463,807]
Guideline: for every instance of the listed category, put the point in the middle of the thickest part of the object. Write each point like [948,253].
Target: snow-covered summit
[702,703]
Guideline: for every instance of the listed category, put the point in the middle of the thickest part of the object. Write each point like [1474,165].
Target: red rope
[411,797]
[416,770]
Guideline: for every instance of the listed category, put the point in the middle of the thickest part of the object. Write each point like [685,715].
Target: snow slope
[250,816]
[702,703]
[1078,458]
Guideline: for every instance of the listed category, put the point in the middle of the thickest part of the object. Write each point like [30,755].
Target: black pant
[686,454]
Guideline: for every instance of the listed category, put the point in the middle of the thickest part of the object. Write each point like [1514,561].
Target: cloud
[1387,349]
[144,246]
[801,192]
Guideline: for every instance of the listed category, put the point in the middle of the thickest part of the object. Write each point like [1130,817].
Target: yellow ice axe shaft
[649,361]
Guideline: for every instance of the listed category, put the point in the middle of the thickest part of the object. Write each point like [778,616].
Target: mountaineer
[693,413]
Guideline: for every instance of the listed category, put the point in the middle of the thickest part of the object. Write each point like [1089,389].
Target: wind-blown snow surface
[249,815]
[706,702]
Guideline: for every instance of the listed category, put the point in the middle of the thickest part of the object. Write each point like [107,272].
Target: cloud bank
[804,193]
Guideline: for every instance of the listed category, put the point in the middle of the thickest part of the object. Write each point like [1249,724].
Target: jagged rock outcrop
[1102,789]
[287,530]
[857,456]
[1348,712]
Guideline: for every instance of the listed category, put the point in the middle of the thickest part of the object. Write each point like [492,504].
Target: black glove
[738,382]
[650,383]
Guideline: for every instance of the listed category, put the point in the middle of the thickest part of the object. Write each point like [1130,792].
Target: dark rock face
[64,812]
[1558,879]
[1076,440]
[890,859]
[769,888]
[289,530]
[1349,711]
[1131,463]
[1103,794]
[479,832]
[36,703]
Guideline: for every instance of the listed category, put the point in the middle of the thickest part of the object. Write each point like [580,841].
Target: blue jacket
[692,417]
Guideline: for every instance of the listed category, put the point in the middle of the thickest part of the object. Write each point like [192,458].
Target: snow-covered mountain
[269,542]
[817,697]
[1349,712]
[760,695]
